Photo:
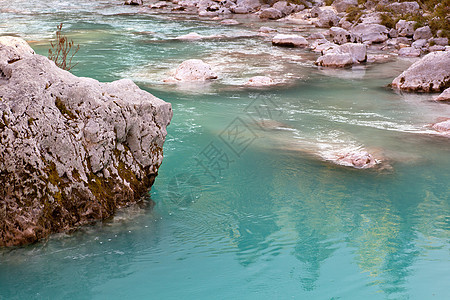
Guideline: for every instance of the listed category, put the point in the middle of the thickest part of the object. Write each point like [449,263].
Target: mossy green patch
[62,108]
[354,13]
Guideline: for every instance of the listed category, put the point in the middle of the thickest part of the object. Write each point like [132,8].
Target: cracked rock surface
[72,150]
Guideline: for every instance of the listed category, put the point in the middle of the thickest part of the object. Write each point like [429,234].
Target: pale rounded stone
[194,70]
[409,51]
[260,81]
[289,40]
[444,96]
[369,33]
[423,33]
[337,60]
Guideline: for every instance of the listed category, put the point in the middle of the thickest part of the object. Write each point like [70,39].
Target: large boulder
[245,6]
[343,56]
[439,41]
[370,33]
[327,18]
[340,36]
[430,74]
[357,51]
[423,33]
[270,13]
[421,44]
[322,46]
[405,28]
[371,18]
[72,150]
[289,40]
[335,60]
[404,7]
[409,52]
[194,70]
[343,5]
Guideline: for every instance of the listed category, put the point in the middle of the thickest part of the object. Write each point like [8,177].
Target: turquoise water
[268,218]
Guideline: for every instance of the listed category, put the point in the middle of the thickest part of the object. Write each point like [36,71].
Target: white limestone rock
[429,74]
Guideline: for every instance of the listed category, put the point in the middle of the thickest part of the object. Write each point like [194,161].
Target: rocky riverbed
[348,34]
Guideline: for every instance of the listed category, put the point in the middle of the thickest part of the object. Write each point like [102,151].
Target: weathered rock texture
[343,56]
[430,74]
[370,33]
[72,150]
[133,2]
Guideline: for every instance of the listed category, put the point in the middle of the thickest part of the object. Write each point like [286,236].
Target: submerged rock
[229,22]
[357,159]
[194,70]
[72,150]
[191,36]
[430,74]
[260,81]
[442,127]
[265,29]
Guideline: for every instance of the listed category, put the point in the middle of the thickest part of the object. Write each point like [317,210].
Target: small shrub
[62,50]
[353,14]
[388,21]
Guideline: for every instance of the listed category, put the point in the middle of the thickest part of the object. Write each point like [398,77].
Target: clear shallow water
[269,220]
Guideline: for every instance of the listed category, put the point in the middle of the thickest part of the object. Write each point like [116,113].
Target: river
[245,205]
